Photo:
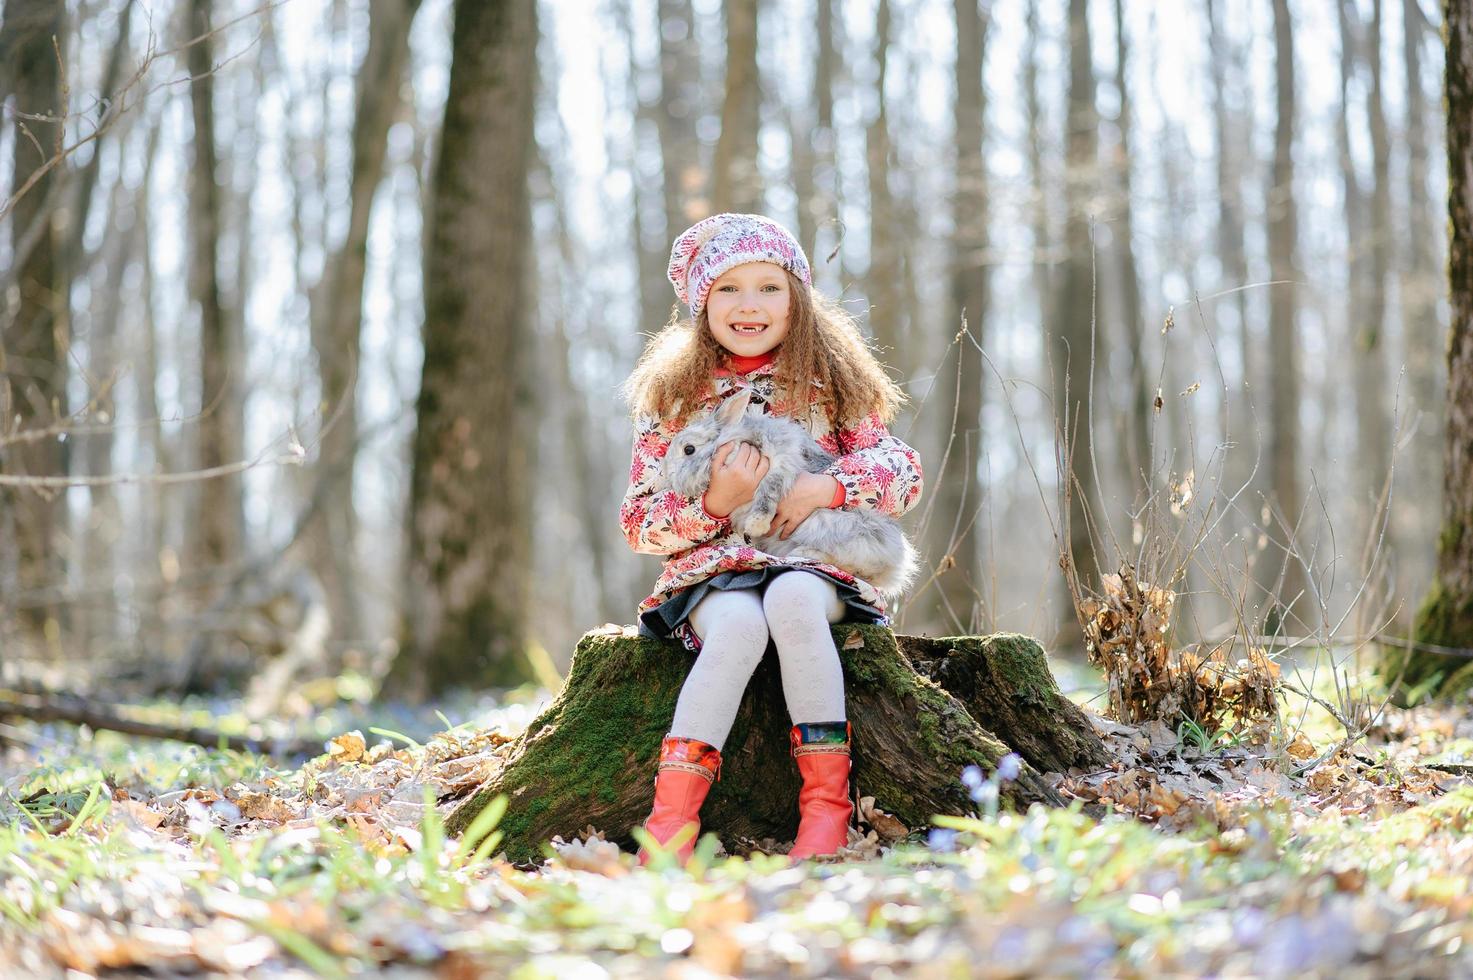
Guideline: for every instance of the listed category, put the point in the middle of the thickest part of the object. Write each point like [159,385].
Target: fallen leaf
[347,747]
[263,806]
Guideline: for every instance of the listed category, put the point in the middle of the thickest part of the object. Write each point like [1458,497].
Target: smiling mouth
[749,328]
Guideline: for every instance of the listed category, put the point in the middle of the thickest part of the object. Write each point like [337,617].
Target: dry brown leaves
[376,790]
[1126,632]
[589,851]
[1157,778]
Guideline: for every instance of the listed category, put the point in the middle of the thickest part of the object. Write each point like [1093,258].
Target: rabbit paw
[759,524]
[759,518]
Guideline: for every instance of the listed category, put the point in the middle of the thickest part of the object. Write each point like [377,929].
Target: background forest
[316,313]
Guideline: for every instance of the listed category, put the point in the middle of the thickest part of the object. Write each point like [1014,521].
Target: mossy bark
[1445,618]
[589,758]
[1004,682]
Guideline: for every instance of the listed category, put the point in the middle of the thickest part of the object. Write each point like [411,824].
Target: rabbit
[866,543]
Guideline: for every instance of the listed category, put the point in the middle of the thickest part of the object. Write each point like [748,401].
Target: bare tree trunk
[103,531]
[218,530]
[953,544]
[1357,251]
[470,496]
[736,181]
[337,318]
[815,176]
[1283,235]
[149,525]
[1072,327]
[680,106]
[647,225]
[103,528]
[882,286]
[587,469]
[1421,284]
[87,178]
[35,337]
[1042,222]
[590,477]
[1138,406]
[1367,231]
[1446,615]
[1376,439]
[1230,130]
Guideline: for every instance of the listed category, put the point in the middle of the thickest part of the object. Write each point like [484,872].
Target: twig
[79,711]
[294,457]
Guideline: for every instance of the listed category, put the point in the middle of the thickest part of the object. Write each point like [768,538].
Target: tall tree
[35,338]
[1371,345]
[882,283]
[813,145]
[736,181]
[1138,402]
[1041,212]
[952,529]
[470,491]
[680,106]
[337,313]
[1232,126]
[1073,351]
[1283,248]
[1446,615]
[1421,277]
[1367,223]
[648,225]
[218,529]
[1357,238]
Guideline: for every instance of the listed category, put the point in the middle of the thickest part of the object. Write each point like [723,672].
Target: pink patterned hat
[723,241]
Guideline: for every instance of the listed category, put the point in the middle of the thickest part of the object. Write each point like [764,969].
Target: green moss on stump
[1444,619]
[589,758]
[1004,682]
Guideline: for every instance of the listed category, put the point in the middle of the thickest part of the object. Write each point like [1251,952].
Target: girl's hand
[735,472]
[810,492]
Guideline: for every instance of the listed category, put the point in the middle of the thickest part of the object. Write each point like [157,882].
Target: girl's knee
[737,618]
[798,601]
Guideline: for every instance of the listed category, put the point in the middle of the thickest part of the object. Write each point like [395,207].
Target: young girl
[757,326]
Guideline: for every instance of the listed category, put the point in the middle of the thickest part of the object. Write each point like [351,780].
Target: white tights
[795,610]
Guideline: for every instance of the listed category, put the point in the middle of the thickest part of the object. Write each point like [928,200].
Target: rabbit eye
[690,450]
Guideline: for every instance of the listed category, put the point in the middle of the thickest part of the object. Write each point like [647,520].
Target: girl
[757,326]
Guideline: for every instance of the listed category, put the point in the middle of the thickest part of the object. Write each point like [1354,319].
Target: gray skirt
[671,618]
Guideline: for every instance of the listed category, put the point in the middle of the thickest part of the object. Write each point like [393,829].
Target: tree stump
[923,709]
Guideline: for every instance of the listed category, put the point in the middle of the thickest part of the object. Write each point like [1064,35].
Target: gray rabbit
[869,544]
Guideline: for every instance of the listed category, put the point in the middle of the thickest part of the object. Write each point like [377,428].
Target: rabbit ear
[733,407]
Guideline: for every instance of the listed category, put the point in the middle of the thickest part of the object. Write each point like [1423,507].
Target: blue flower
[972,778]
[986,793]
[941,839]
[1010,766]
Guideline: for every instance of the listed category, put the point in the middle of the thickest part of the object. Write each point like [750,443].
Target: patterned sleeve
[656,521]
[877,470]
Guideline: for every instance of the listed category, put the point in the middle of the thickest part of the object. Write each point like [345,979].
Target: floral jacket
[877,471]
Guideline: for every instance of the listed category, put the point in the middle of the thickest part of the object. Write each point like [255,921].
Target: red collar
[746,365]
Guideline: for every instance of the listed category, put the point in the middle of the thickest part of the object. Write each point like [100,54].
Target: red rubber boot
[822,752]
[687,769]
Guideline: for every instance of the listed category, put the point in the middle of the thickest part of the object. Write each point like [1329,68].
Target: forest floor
[1195,853]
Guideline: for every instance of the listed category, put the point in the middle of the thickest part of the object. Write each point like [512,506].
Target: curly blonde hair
[823,343]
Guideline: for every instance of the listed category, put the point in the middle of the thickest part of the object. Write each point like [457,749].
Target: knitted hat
[723,241]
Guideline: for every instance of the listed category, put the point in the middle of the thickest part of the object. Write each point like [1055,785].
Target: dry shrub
[1127,633]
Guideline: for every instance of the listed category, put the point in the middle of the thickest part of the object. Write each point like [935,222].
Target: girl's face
[747,309]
